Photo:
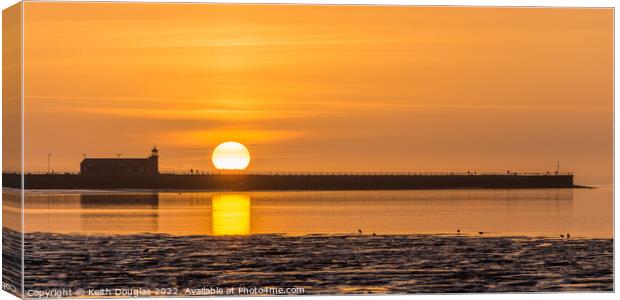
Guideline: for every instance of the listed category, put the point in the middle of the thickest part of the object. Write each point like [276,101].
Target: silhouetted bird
[568,235]
[458,231]
[480,232]
[561,235]
[360,231]
[374,234]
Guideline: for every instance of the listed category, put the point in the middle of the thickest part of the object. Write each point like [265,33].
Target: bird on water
[360,231]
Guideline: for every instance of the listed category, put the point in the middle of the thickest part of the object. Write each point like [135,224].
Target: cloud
[212,137]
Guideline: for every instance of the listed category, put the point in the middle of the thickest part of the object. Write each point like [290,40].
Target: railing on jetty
[318,173]
[391,173]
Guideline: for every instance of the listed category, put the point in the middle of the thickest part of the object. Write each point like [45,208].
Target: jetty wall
[285,182]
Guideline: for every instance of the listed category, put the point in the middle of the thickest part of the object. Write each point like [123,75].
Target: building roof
[116,159]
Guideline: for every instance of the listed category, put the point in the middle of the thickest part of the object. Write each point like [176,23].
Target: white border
[504,3]
[508,3]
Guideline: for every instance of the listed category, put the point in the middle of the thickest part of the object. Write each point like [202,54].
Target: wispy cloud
[212,137]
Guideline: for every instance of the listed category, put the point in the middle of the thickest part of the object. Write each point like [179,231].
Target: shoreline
[486,235]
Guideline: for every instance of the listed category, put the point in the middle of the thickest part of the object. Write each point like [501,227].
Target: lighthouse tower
[154,158]
[154,153]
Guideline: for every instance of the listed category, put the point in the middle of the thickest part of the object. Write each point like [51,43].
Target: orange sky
[317,88]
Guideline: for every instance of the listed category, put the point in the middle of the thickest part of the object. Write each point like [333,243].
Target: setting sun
[231,156]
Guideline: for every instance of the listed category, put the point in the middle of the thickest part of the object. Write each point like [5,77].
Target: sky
[321,88]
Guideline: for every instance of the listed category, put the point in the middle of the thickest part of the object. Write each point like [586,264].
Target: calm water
[536,212]
[184,241]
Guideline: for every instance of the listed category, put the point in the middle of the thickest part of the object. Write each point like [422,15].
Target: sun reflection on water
[230,214]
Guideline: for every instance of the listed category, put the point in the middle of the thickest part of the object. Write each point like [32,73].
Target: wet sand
[321,264]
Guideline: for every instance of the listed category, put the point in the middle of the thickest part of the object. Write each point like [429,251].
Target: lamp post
[49,157]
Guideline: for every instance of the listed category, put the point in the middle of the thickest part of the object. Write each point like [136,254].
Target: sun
[230,156]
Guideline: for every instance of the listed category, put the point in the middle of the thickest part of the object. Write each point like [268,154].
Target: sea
[95,243]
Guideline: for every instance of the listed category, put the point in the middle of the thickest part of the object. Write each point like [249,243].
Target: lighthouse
[154,153]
